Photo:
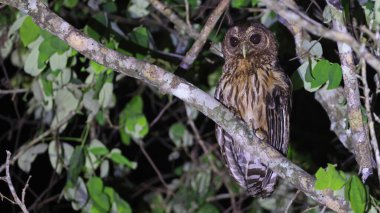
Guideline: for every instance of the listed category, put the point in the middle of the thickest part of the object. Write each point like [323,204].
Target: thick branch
[170,84]
[351,89]
[192,54]
[291,14]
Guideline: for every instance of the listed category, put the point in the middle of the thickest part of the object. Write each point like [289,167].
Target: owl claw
[261,134]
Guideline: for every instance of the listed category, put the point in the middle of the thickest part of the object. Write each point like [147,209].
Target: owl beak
[244,50]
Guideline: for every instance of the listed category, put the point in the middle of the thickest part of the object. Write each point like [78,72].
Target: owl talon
[261,134]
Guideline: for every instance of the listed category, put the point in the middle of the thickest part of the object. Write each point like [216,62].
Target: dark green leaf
[76,164]
[240,3]
[320,73]
[335,76]
[296,81]
[208,208]
[355,192]
[176,133]
[70,3]
[139,36]
[49,46]
[47,85]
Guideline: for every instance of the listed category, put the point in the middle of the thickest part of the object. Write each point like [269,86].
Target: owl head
[247,40]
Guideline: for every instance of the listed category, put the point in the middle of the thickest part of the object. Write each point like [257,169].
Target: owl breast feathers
[255,88]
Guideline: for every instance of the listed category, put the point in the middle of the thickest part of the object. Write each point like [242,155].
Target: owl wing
[278,112]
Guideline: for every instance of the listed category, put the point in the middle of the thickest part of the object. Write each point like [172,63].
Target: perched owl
[256,89]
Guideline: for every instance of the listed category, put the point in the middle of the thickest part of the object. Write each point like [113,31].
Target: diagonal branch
[193,53]
[177,21]
[168,83]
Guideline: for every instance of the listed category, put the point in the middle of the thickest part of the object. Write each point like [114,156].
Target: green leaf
[329,178]
[135,105]
[335,76]
[97,150]
[70,3]
[47,85]
[208,208]
[76,164]
[254,2]
[137,126]
[356,194]
[176,133]
[119,158]
[49,46]
[97,68]
[240,3]
[139,36]
[133,121]
[95,189]
[320,73]
[121,205]
[29,31]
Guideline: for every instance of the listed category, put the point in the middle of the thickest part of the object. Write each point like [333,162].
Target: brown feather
[256,89]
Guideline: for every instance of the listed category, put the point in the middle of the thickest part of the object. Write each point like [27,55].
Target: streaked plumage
[256,89]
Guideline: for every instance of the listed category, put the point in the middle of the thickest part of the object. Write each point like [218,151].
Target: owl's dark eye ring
[255,38]
[234,41]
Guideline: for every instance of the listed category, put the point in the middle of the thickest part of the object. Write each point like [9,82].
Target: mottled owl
[255,88]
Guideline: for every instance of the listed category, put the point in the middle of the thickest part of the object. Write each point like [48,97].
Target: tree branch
[291,14]
[192,54]
[168,83]
[8,180]
[175,19]
[361,144]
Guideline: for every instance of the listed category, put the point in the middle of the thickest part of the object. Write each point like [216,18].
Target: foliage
[105,142]
[354,189]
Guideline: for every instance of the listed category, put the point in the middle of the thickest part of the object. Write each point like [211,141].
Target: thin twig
[13,91]
[193,53]
[187,13]
[24,189]
[166,107]
[291,201]
[16,199]
[29,144]
[174,18]
[152,164]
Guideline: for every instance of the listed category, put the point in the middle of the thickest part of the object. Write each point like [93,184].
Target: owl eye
[234,41]
[255,38]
